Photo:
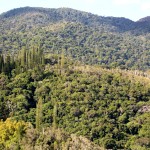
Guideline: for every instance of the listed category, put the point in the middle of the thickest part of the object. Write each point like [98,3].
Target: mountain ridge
[145,19]
[92,39]
[28,8]
[78,16]
[116,24]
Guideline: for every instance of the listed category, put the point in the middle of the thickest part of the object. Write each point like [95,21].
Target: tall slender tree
[39,115]
[55,115]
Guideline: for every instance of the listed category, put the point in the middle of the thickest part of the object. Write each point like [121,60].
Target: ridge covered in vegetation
[107,41]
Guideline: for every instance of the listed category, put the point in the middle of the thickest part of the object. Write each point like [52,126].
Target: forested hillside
[108,107]
[71,80]
[45,16]
[107,41]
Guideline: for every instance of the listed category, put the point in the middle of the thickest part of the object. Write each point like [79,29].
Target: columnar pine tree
[39,115]
[1,63]
[55,115]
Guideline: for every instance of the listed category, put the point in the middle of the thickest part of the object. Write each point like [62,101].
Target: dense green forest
[63,98]
[71,80]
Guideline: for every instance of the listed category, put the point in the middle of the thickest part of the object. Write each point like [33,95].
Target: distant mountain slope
[145,19]
[45,16]
[107,41]
[71,15]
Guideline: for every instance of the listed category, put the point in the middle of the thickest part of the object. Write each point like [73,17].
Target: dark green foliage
[7,64]
[110,144]
[22,61]
[1,63]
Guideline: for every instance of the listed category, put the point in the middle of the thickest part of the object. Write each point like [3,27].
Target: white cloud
[126,2]
[90,1]
[145,6]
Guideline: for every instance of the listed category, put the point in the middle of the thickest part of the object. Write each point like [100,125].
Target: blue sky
[132,9]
